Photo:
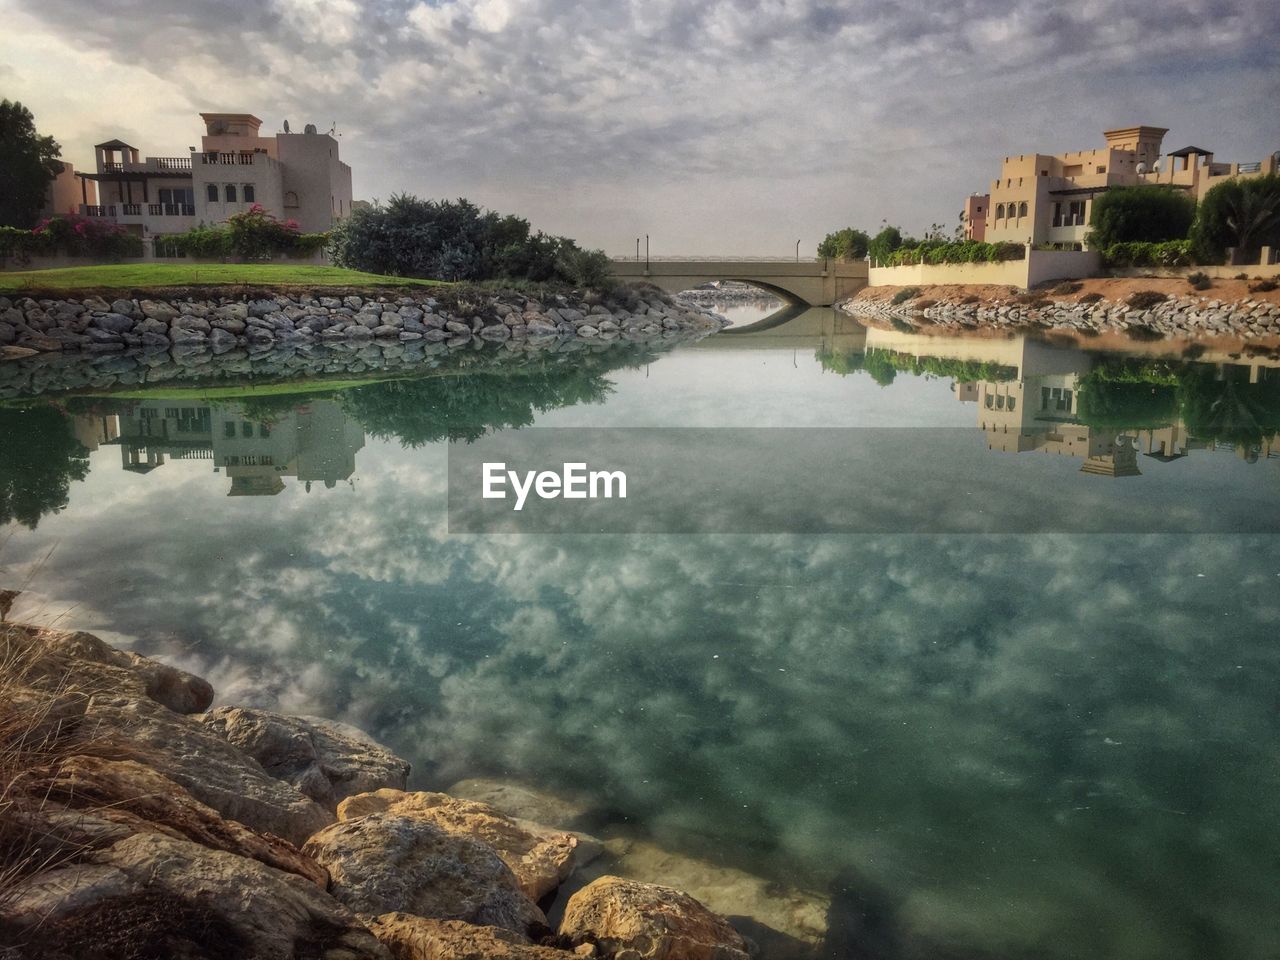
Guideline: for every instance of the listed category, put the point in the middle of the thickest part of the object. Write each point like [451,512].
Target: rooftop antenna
[333,130]
[286,126]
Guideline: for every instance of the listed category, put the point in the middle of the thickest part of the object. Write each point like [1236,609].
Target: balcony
[153,166]
[131,209]
[236,158]
[98,209]
[1069,221]
[171,209]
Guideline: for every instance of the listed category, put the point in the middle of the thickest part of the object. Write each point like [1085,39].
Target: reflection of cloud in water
[1049,746]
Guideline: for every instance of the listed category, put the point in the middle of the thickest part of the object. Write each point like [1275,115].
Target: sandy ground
[1112,288]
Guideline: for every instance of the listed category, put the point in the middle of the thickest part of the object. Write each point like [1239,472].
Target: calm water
[1050,745]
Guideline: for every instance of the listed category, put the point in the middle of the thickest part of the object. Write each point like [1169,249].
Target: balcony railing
[113,168]
[99,209]
[239,158]
[171,209]
[1069,221]
[170,163]
[131,209]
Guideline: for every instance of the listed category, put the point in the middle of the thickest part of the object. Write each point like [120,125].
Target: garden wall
[1037,267]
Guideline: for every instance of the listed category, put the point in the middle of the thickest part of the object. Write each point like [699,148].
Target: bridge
[815,283]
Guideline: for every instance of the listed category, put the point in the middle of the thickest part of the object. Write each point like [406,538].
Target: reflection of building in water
[1039,409]
[315,442]
[93,431]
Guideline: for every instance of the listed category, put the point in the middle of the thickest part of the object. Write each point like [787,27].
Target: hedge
[72,236]
[1169,253]
[958,251]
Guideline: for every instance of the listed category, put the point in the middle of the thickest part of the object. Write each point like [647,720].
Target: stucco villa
[1048,198]
[293,176]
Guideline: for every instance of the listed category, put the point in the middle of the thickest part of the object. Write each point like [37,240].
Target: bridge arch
[817,283]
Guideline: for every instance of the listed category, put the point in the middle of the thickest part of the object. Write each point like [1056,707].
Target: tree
[1140,214]
[884,243]
[39,458]
[847,244]
[28,164]
[1242,214]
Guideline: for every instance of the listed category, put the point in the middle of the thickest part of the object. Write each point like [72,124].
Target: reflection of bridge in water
[815,283]
[792,328]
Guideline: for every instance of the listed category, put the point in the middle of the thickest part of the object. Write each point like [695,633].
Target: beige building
[293,176]
[68,191]
[1048,198]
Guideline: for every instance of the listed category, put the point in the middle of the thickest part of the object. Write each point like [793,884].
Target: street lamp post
[797,251]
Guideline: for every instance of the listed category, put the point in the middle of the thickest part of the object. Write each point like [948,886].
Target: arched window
[999,211]
[231,193]
[1022,209]
[248,193]
[211,193]
[290,198]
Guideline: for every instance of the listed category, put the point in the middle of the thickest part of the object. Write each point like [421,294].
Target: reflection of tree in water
[466,404]
[1228,408]
[39,458]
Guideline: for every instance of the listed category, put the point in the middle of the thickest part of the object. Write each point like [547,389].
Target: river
[1025,741]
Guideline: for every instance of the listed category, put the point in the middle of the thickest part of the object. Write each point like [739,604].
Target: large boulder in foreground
[215,772]
[541,861]
[385,864]
[417,938]
[644,921]
[154,896]
[325,760]
[76,662]
[131,795]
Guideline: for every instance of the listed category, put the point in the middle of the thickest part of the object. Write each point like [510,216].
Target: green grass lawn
[128,276]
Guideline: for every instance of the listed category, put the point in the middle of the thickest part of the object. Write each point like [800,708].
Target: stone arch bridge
[816,283]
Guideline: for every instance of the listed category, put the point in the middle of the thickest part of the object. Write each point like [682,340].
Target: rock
[644,921]
[540,861]
[158,310]
[260,308]
[135,796]
[325,760]
[383,864]
[221,339]
[115,322]
[778,911]
[150,895]
[386,331]
[541,328]
[417,938]
[80,662]
[458,327]
[8,352]
[126,307]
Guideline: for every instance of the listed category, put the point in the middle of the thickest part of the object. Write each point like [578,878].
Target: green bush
[1140,215]
[455,240]
[903,295]
[1170,253]
[251,235]
[884,243]
[591,269]
[1091,298]
[1146,299]
[1199,281]
[72,236]
[955,251]
[1262,286]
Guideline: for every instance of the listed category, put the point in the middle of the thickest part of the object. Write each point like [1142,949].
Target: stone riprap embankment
[218,323]
[257,362]
[1176,316]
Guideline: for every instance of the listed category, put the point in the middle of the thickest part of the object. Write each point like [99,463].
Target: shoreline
[221,319]
[277,830]
[1147,308]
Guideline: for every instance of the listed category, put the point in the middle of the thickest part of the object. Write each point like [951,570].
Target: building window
[263,430]
[1013,404]
[211,193]
[1022,209]
[999,211]
[231,193]
[1102,169]
[290,199]
[248,193]
[229,430]
[246,430]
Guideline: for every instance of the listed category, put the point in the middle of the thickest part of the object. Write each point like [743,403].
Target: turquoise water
[1051,745]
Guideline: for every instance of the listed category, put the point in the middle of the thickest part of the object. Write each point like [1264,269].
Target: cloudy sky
[713,126]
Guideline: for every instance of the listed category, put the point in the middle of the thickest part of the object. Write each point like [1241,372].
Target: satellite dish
[1142,168]
[286,126]
[309,128]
